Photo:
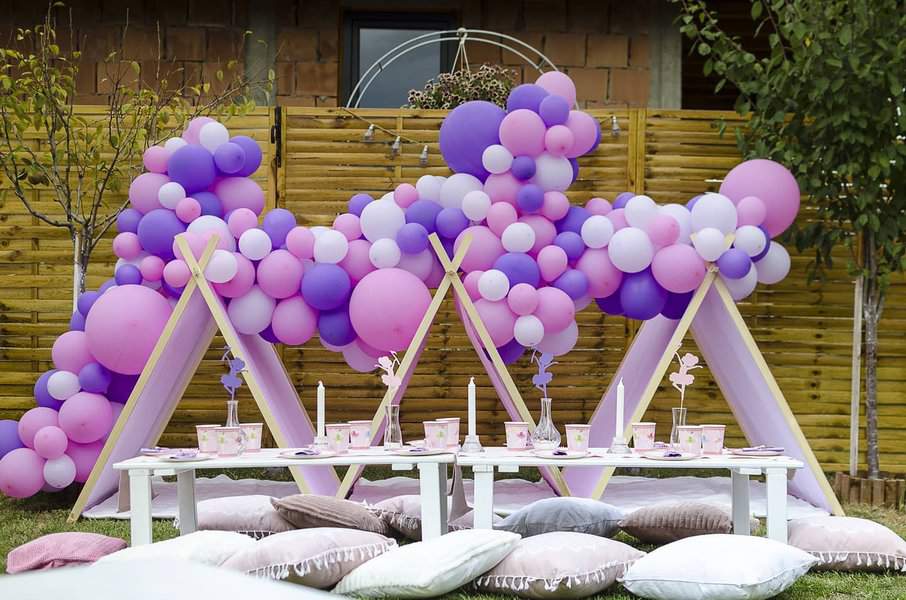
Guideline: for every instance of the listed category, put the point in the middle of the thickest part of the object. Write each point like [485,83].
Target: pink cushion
[61,550]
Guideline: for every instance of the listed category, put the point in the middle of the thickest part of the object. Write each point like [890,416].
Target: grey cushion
[305,511]
[582,515]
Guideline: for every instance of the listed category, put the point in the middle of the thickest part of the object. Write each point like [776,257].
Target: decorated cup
[436,434]
[643,435]
[452,430]
[517,435]
[338,437]
[577,437]
[252,433]
[713,438]
[229,441]
[359,434]
[207,438]
[690,438]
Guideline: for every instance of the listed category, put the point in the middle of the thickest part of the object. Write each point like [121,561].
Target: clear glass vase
[393,435]
[679,420]
[233,421]
[545,436]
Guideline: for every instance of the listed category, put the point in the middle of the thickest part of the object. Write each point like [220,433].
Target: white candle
[618,432]
[471,406]
[321,432]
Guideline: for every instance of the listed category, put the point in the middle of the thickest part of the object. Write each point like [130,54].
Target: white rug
[626,492]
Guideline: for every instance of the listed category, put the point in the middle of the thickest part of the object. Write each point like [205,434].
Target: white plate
[155,451]
[184,459]
[682,456]
[419,451]
[567,454]
[756,453]
[294,454]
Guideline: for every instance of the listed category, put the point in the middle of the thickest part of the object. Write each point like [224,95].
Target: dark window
[368,36]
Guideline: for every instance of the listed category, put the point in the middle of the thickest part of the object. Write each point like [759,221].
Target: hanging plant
[448,90]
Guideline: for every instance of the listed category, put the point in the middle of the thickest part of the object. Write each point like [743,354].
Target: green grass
[24,520]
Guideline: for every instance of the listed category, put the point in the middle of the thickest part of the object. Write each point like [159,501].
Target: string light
[423,157]
[614,126]
[368,136]
[396,147]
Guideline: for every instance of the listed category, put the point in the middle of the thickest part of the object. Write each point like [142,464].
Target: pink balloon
[498,319]
[279,274]
[86,417]
[190,134]
[603,277]
[558,84]
[84,456]
[241,282]
[143,191]
[196,244]
[522,299]
[358,359]
[176,273]
[126,312]
[585,132]
[239,192]
[357,262]
[437,273]
[618,218]
[50,442]
[500,216]
[663,230]
[70,351]
[387,306]
[772,183]
[598,206]
[152,268]
[522,132]
[294,321]
[33,421]
[188,209]
[555,309]
[678,268]
[552,262]
[155,159]
[223,240]
[126,245]
[555,206]
[241,220]
[560,342]
[502,187]
[470,282]
[405,194]
[750,211]
[369,350]
[301,242]
[348,224]
[484,250]
[21,473]
[558,140]
[545,231]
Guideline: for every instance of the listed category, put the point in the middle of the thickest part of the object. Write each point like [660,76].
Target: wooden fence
[319,159]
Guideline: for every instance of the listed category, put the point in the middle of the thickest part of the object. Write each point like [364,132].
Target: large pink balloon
[70,351]
[86,417]
[522,133]
[603,278]
[241,282]
[126,312]
[552,261]
[357,262]
[773,184]
[663,230]
[502,187]
[84,456]
[545,231]
[239,192]
[558,84]
[678,268]
[279,274]
[34,421]
[484,250]
[498,319]
[523,299]
[387,307]
[555,309]
[555,206]
[585,132]
[143,191]
[500,216]
[21,473]
[294,321]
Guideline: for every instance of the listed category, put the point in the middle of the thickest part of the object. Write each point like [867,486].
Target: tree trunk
[81,255]
[872,306]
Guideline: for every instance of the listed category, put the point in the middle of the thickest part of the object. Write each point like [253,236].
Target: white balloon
[170,194]
[640,210]
[529,330]
[254,244]
[212,135]
[419,264]
[561,342]
[63,384]
[518,237]
[683,217]
[774,266]
[742,287]
[476,204]
[456,187]
[597,231]
[428,188]
[59,472]
[318,230]
[493,285]
[252,312]
[631,250]
[384,253]
[710,243]
[381,219]
[387,196]
[331,247]
[206,223]
[714,210]
[174,143]
[222,267]
[496,159]
[751,240]
[552,173]
[132,261]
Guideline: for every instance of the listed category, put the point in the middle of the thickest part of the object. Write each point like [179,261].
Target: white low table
[432,482]
[776,470]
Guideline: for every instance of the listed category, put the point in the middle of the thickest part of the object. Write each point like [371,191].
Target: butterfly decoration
[544,361]
[387,365]
[680,379]
[231,381]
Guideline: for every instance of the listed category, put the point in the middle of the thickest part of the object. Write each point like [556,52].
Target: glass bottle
[393,435]
[679,420]
[233,421]
[545,436]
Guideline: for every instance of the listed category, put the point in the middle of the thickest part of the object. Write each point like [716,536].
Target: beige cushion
[848,544]
[252,515]
[403,514]
[318,558]
[562,564]
[670,521]
[304,511]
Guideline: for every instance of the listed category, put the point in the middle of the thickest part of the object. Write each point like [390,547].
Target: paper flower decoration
[680,379]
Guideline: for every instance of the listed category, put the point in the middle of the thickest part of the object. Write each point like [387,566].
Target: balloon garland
[363,284]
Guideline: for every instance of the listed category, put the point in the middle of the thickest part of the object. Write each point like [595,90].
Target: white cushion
[717,567]
[252,515]
[205,547]
[404,515]
[849,544]
[430,568]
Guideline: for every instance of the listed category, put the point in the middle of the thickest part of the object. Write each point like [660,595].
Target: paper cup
[577,437]
[713,439]
[338,437]
[207,438]
[436,434]
[229,441]
[252,433]
[517,435]
[452,430]
[643,435]
[690,438]
[359,434]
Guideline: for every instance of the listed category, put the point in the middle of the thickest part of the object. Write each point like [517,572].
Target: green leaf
[756,10]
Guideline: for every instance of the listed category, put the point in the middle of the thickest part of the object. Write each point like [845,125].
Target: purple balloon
[449,246]
[192,167]
[423,212]
[641,296]
[574,282]
[574,163]
[571,243]
[767,246]
[692,202]
[252,154]
[734,263]
[554,110]
[621,199]
[527,95]
[229,158]
[326,286]
[510,352]
[86,301]
[358,203]
[210,204]
[466,132]
[412,238]
[277,223]
[95,378]
[523,167]
[42,396]
[157,230]
[335,327]
[128,275]
[450,222]
[9,437]
[170,290]
[110,283]
[127,221]
[268,335]
[77,322]
[530,197]
[519,268]
[676,305]
[611,304]
[574,219]
[120,387]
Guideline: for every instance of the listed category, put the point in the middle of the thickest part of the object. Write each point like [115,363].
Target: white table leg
[483,503]
[185,492]
[140,509]
[432,479]
[740,498]
[776,492]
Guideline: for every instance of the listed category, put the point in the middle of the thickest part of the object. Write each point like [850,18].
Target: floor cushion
[430,568]
[717,567]
[205,547]
[404,515]
[849,544]
[309,510]
[252,515]
[562,564]
[670,521]
[317,557]
[61,550]
[582,515]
